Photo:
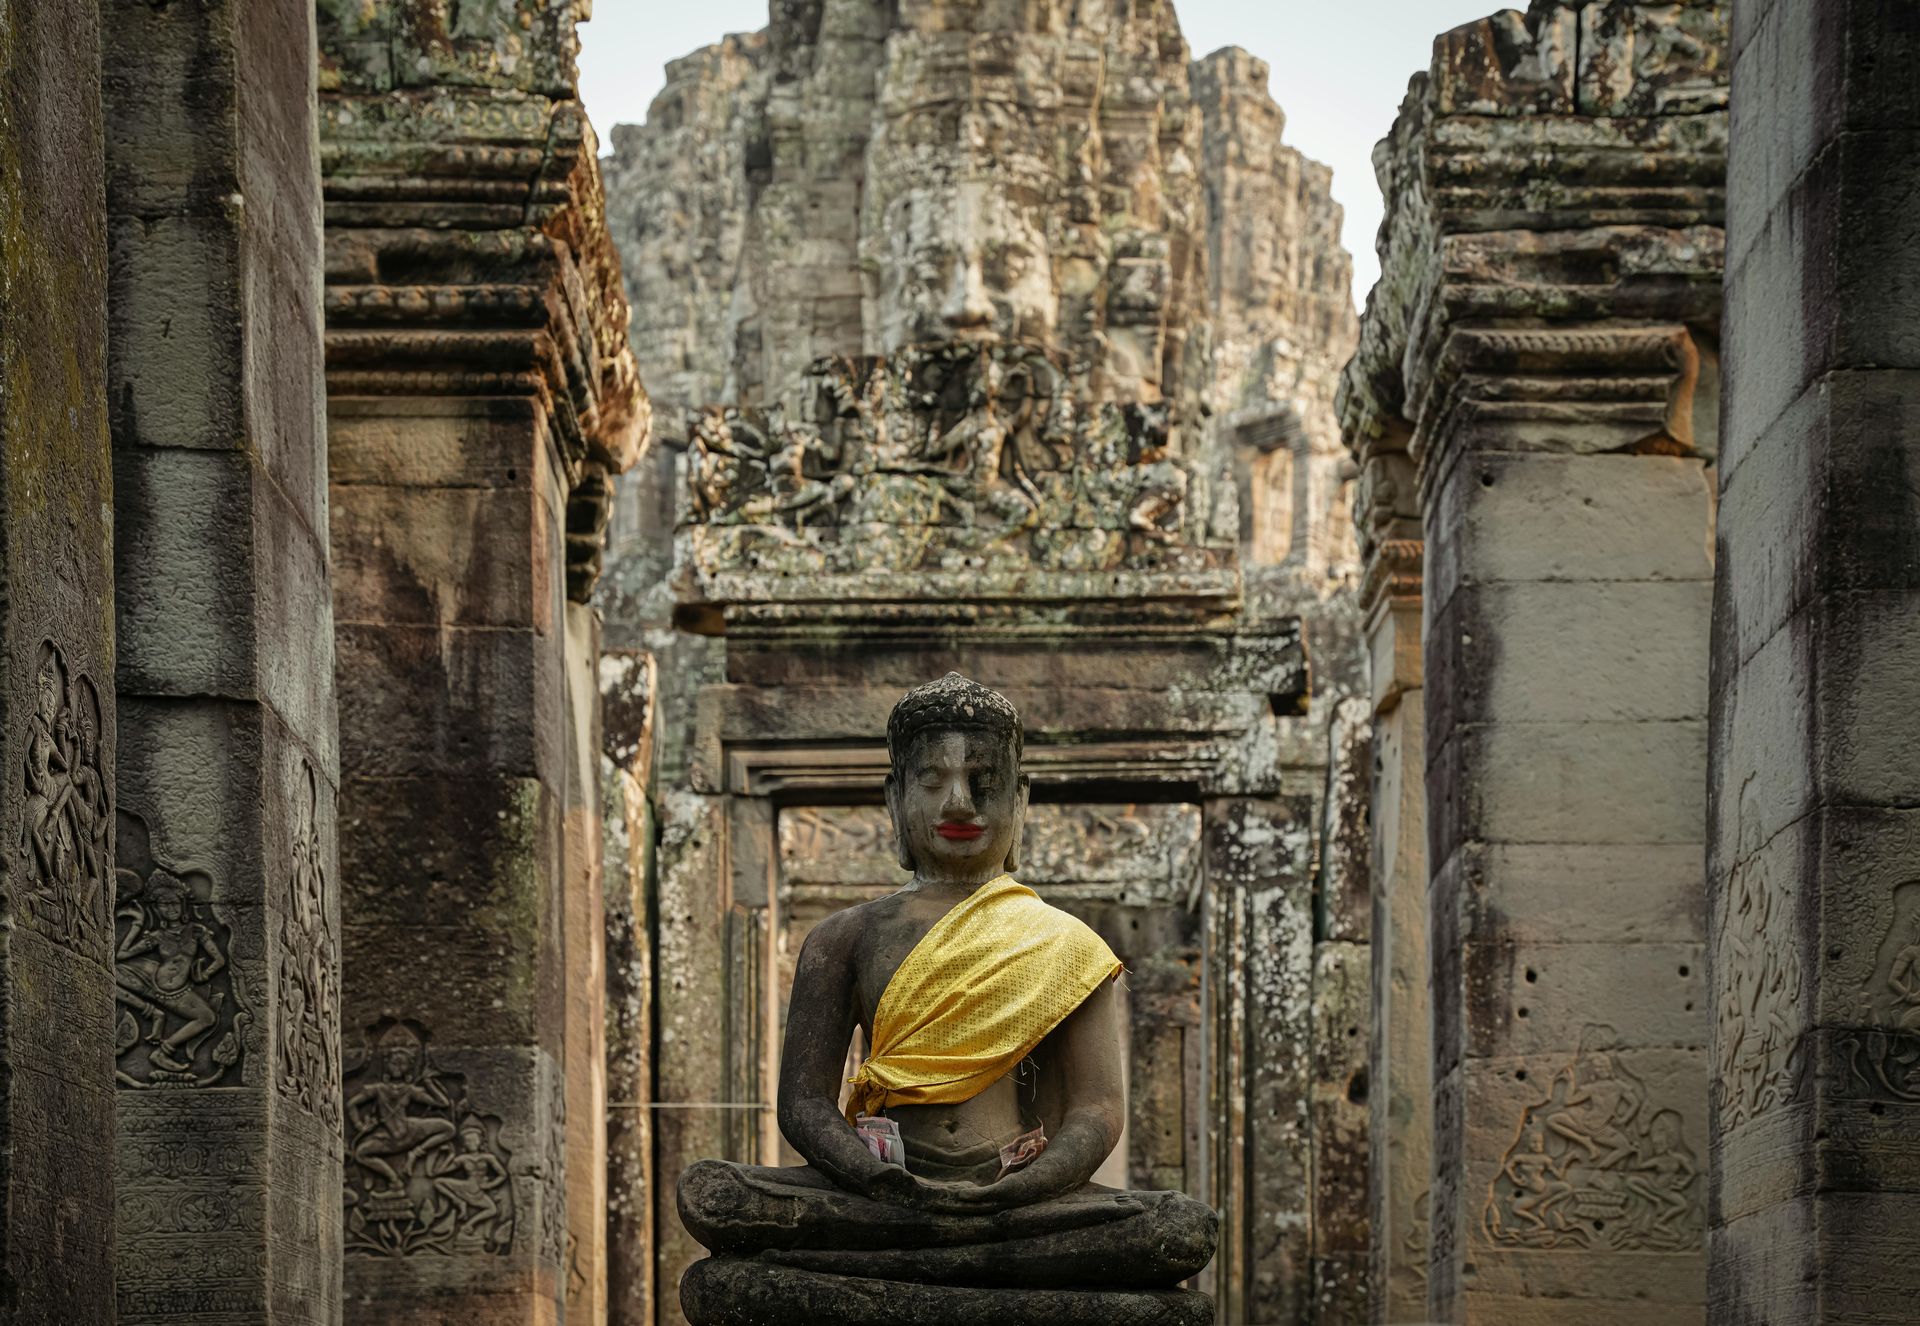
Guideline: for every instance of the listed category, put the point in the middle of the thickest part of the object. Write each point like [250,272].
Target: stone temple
[1485,728]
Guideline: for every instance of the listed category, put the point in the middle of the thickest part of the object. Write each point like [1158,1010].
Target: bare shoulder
[835,937]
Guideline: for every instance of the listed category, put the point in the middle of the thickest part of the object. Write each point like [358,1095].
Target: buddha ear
[902,851]
[1019,827]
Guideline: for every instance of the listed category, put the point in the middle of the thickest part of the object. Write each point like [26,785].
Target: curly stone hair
[952,702]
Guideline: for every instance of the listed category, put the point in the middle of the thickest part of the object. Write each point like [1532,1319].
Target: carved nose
[967,306]
[958,804]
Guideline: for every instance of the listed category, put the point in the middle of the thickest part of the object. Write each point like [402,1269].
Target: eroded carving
[554,1235]
[307,1037]
[66,845]
[1595,1165]
[944,457]
[1883,1053]
[1759,977]
[182,1019]
[425,1171]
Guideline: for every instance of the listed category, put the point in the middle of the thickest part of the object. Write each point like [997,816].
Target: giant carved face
[963,261]
[958,804]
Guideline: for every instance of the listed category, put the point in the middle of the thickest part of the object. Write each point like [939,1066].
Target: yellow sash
[975,996]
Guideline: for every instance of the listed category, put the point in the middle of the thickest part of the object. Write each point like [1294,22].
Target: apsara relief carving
[65,850]
[181,1019]
[307,1037]
[1883,1053]
[1595,1165]
[425,1171]
[1759,981]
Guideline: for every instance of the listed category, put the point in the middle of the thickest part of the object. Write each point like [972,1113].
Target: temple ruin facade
[1480,724]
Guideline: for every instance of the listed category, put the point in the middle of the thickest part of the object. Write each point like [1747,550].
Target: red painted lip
[960,831]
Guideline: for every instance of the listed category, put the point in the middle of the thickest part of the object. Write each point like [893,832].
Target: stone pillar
[479,392]
[57,711]
[1401,1042]
[229,1091]
[1545,332]
[1339,1078]
[1815,747]
[628,687]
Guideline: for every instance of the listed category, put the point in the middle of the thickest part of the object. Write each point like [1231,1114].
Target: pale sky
[1340,68]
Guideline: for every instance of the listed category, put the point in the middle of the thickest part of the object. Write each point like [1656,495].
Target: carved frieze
[65,852]
[307,1026]
[182,1014]
[1882,1053]
[1138,854]
[426,1171]
[1596,1164]
[962,457]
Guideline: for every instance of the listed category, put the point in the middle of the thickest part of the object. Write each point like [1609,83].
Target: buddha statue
[955,1187]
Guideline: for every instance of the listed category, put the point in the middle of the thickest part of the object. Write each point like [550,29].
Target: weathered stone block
[472,556]
[1561,518]
[1584,651]
[1846,296]
[428,701]
[1614,783]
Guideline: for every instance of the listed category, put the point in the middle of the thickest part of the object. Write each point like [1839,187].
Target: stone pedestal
[1816,672]
[229,1086]
[1545,339]
[57,712]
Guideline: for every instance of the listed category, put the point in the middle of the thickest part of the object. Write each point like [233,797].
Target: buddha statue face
[964,262]
[955,791]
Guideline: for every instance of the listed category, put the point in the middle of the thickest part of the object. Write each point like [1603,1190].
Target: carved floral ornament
[307,1031]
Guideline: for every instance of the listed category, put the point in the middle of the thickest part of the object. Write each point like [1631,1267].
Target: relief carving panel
[1132,854]
[1883,1053]
[66,845]
[1759,979]
[425,1171]
[307,1038]
[957,457]
[182,1018]
[1595,1165]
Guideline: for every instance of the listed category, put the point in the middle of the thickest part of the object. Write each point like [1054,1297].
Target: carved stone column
[1401,1043]
[226,920]
[57,712]
[1814,853]
[1545,333]
[480,391]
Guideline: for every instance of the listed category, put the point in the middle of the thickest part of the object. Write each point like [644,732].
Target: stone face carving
[307,1037]
[182,1017]
[66,836]
[1596,1164]
[426,1172]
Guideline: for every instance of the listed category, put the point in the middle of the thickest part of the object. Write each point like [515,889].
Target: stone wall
[57,711]
[1812,821]
[956,368]
[1540,359]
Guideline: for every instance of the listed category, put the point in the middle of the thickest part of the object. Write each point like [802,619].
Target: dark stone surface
[57,705]
[734,1291]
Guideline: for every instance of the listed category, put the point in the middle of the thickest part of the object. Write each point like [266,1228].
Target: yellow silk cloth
[975,996]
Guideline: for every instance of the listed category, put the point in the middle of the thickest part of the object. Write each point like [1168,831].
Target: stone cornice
[468,254]
[1550,173]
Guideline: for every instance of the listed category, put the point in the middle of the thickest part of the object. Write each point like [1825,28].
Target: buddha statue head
[954,789]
